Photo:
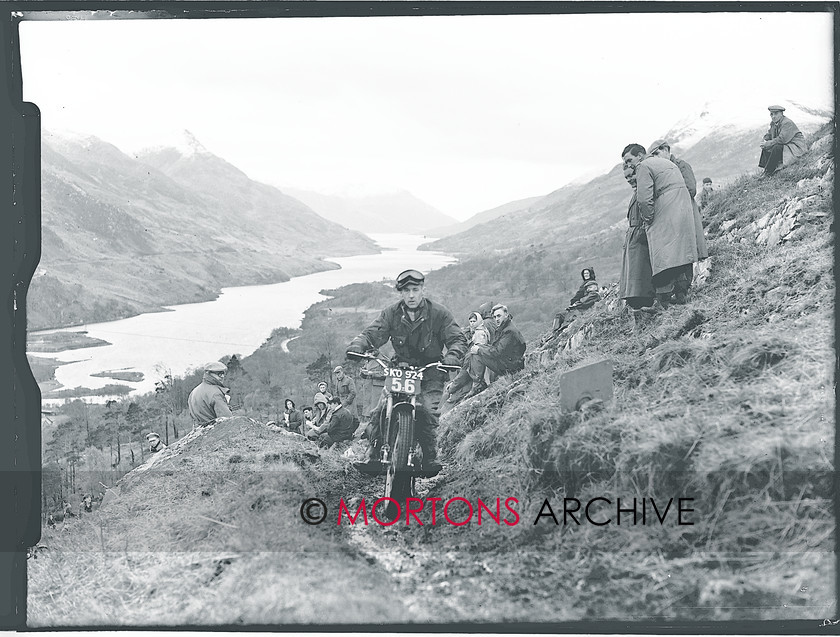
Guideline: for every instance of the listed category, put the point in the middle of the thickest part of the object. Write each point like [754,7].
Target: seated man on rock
[782,143]
[504,355]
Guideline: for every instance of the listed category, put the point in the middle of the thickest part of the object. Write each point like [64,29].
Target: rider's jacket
[417,342]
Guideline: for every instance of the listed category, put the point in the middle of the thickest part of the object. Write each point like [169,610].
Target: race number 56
[404,385]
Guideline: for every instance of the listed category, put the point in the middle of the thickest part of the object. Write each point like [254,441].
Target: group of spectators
[663,242]
[665,235]
[87,505]
[330,419]
[496,347]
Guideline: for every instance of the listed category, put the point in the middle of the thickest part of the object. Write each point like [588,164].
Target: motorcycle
[400,454]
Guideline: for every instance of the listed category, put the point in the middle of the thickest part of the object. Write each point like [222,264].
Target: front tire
[399,482]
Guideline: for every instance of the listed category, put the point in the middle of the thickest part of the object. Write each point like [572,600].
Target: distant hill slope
[482,217]
[715,143]
[389,212]
[122,236]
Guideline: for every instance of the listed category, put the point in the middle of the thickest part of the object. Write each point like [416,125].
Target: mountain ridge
[398,211]
[720,146]
[121,236]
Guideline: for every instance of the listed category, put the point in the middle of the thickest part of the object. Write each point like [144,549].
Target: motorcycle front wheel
[399,482]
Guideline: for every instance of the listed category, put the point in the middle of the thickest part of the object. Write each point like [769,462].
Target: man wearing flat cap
[782,143]
[419,330]
[707,194]
[661,148]
[155,443]
[207,401]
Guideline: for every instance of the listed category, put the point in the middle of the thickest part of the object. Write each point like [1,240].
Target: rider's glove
[355,348]
[451,359]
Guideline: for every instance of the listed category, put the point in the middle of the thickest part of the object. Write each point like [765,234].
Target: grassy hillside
[727,401]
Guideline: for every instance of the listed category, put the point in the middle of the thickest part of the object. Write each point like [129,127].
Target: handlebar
[436,364]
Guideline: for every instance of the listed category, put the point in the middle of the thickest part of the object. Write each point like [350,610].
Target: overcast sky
[466,113]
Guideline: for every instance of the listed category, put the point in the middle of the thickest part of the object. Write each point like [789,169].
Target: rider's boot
[371,463]
[431,466]
[428,442]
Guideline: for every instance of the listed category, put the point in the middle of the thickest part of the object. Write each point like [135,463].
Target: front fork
[385,451]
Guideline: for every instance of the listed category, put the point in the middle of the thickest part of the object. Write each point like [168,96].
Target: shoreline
[211,295]
[54,339]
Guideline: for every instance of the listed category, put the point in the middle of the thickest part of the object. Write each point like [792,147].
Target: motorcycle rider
[418,329]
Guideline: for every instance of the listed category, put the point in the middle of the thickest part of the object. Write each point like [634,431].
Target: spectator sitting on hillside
[87,504]
[155,443]
[504,355]
[479,335]
[308,421]
[782,143]
[587,294]
[60,516]
[340,426]
[707,194]
[323,388]
[208,401]
[292,417]
[345,387]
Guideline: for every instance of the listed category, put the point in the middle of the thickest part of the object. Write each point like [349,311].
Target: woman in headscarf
[587,294]
[479,335]
[320,401]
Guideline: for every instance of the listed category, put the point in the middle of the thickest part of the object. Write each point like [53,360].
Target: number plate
[404,381]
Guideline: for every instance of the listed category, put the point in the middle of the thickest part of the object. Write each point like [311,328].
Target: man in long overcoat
[636,283]
[661,148]
[665,208]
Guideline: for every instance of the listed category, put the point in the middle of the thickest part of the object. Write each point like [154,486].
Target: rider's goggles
[409,277]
